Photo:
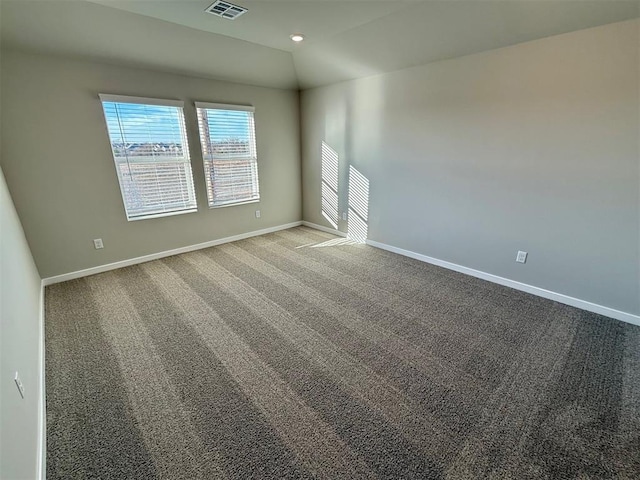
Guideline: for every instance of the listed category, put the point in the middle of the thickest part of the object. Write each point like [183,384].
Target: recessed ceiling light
[296,37]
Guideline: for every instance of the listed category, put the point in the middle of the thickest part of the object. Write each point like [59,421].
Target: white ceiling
[345,38]
[268,22]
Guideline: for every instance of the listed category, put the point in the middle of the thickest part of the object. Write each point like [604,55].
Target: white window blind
[228,140]
[151,154]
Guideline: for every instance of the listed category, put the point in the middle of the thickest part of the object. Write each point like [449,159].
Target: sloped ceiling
[86,30]
[345,39]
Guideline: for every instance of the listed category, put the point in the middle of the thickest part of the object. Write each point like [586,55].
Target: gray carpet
[299,355]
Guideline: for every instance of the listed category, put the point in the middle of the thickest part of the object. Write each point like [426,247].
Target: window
[228,140]
[151,154]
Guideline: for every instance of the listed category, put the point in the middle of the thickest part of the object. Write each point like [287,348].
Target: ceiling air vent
[225,9]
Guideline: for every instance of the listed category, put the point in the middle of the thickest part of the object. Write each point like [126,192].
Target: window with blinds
[228,140]
[151,154]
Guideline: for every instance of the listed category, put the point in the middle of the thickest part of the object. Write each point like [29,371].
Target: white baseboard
[42,413]
[167,253]
[42,417]
[574,302]
[540,292]
[324,229]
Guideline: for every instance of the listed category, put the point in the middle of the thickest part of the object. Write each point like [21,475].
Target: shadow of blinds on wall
[358,223]
[329,184]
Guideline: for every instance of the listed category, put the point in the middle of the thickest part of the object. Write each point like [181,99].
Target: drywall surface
[532,147]
[20,308]
[60,171]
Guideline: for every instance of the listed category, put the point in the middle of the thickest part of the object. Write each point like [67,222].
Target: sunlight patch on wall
[358,226]
[330,184]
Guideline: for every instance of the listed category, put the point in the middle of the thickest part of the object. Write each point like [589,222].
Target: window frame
[253,148]
[186,160]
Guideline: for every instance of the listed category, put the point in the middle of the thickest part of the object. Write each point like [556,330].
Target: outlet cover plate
[521,257]
[19,384]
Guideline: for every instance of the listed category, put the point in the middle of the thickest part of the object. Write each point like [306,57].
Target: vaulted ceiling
[345,39]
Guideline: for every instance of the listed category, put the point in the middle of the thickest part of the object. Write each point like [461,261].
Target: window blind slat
[151,153]
[125,99]
[224,106]
[227,138]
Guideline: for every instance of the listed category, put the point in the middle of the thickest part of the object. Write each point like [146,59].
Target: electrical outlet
[19,384]
[344,216]
[98,243]
[257,213]
[521,257]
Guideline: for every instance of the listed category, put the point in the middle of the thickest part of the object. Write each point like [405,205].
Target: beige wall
[58,164]
[532,147]
[20,308]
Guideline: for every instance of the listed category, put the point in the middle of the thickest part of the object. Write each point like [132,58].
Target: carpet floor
[300,355]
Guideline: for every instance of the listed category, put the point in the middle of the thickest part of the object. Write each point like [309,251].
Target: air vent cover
[225,9]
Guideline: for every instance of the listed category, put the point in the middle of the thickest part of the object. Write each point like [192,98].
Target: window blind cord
[124,142]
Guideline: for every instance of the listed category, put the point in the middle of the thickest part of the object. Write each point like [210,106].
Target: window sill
[160,215]
[234,204]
